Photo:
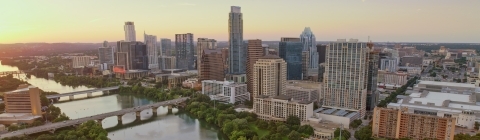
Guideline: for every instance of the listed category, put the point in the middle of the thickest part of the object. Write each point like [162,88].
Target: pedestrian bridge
[88,92]
[53,126]
[11,72]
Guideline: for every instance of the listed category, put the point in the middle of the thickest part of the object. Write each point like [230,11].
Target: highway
[53,126]
[81,92]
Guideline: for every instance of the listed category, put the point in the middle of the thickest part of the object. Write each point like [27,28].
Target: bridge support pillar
[119,118]
[137,115]
[154,110]
[89,95]
[71,97]
[99,121]
[106,92]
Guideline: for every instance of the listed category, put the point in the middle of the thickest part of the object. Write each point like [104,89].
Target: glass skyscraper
[291,51]
[237,49]
[310,45]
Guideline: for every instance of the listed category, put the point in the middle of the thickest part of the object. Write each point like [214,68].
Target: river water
[174,125]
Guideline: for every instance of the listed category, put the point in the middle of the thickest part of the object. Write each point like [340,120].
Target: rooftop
[450,84]
[438,98]
[21,90]
[304,84]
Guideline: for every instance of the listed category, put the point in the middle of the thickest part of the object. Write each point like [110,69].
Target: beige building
[399,123]
[167,62]
[21,105]
[278,108]
[255,51]
[269,76]
[80,61]
[392,78]
[303,90]
[204,44]
[172,80]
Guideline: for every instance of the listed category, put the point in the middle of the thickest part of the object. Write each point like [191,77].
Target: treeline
[245,125]
[159,94]
[89,130]
[8,83]
[76,81]
[399,91]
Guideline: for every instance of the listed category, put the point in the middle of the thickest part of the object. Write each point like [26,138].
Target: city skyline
[394,21]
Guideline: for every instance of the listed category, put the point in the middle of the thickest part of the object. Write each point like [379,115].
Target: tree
[293,120]
[365,133]
[345,133]
[282,129]
[477,125]
[228,128]
[294,135]
[61,117]
[2,106]
[356,123]
[306,129]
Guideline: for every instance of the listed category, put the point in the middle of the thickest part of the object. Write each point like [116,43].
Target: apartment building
[303,90]
[255,51]
[26,99]
[80,61]
[167,62]
[278,108]
[269,76]
[392,78]
[211,65]
[225,91]
[400,123]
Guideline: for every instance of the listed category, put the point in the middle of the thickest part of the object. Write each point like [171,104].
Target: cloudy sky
[23,21]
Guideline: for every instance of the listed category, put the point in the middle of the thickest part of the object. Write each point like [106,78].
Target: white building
[340,116]
[388,64]
[310,45]
[303,90]
[278,108]
[80,61]
[129,29]
[392,78]
[225,91]
[152,52]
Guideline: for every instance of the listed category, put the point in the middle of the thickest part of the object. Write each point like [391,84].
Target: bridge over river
[53,126]
[88,92]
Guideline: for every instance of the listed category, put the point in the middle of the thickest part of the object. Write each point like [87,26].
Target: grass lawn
[260,132]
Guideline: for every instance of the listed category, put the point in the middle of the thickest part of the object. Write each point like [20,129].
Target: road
[53,126]
[81,92]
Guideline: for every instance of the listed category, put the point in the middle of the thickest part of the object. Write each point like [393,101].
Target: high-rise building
[269,76]
[237,49]
[106,56]
[278,108]
[131,55]
[166,45]
[305,64]
[204,44]
[152,52]
[388,64]
[291,51]
[345,75]
[321,50]
[184,51]
[255,52]
[310,45]
[211,65]
[129,29]
[403,123]
[26,99]
[167,62]
[80,61]
[372,94]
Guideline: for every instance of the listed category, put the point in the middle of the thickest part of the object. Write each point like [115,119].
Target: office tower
[237,54]
[151,42]
[211,65]
[372,94]
[80,61]
[321,50]
[204,44]
[404,123]
[269,76]
[305,63]
[225,58]
[345,75]
[106,56]
[105,44]
[167,62]
[321,71]
[291,51]
[129,29]
[184,51]
[388,64]
[255,51]
[310,45]
[26,99]
[166,45]
[131,55]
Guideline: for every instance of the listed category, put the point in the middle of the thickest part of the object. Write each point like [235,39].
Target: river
[175,125]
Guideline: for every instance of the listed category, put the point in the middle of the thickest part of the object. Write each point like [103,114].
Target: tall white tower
[152,53]
[130,34]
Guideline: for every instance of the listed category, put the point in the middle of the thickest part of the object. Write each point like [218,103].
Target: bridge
[53,126]
[88,92]
[11,72]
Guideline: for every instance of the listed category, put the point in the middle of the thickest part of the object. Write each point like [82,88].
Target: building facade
[255,51]
[26,99]
[184,51]
[345,75]
[278,108]
[372,94]
[211,65]
[291,51]
[225,91]
[305,64]
[166,47]
[399,123]
[269,76]
[310,45]
[204,44]
[388,64]
[131,55]
[106,55]
[392,78]
[129,29]
[152,52]
[237,49]
[167,62]
[80,61]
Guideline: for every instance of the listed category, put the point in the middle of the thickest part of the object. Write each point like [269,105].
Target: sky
[93,21]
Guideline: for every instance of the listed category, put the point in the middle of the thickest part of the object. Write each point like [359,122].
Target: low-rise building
[21,105]
[403,123]
[131,74]
[173,80]
[412,70]
[339,116]
[278,108]
[80,61]
[392,78]
[225,91]
[303,90]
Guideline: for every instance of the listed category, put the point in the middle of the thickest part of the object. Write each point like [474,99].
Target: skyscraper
[372,94]
[237,49]
[151,42]
[211,65]
[204,44]
[291,51]
[166,45]
[269,76]
[184,51]
[309,44]
[106,56]
[255,51]
[131,55]
[345,75]
[305,64]
[129,29]
[321,49]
